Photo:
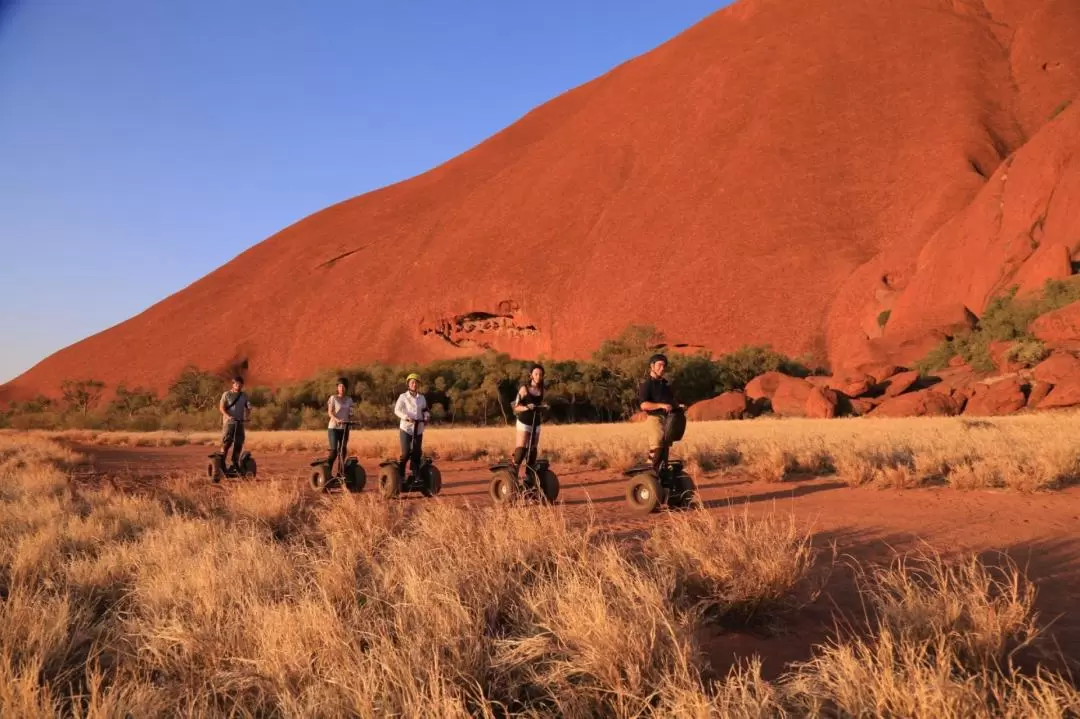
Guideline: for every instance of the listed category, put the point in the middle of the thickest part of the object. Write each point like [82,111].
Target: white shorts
[522,427]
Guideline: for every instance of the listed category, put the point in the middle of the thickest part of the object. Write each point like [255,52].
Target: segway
[344,472]
[540,483]
[216,469]
[662,481]
[392,478]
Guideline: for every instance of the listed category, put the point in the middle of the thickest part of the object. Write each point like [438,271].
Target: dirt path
[1040,532]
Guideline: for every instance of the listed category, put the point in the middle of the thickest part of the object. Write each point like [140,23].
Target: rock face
[924,403]
[930,190]
[999,398]
[729,405]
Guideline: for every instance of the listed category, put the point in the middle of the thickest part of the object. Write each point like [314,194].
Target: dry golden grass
[262,601]
[1024,452]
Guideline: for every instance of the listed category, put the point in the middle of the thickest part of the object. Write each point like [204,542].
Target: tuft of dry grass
[267,602]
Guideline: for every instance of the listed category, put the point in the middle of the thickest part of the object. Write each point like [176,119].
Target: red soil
[781,173]
[1041,532]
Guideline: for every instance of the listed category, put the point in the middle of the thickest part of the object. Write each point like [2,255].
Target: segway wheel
[432,481]
[548,483]
[503,488]
[355,477]
[320,477]
[390,481]
[643,493]
[683,491]
[248,467]
[213,472]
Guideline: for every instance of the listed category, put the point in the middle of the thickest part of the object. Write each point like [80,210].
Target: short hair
[343,381]
[239,379]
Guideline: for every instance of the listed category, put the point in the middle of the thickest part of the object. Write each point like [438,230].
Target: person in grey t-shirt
[339,408]
[235,410]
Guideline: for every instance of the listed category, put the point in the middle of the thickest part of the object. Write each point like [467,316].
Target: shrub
[883,317]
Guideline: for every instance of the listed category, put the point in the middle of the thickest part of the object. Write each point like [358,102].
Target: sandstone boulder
[764,385]
[1060,328]
[999,398]
[900,383]
[861,406]
[729,405]
[1064,394]
[821,403]
[878,372]
[1057,368]
[924,403]
[791,396]
[1039,391]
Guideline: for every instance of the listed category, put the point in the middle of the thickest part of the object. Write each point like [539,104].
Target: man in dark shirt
[656,399]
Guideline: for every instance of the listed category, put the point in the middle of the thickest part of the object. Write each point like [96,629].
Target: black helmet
[658,358]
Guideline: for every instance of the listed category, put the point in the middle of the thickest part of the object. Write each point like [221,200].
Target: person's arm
[330,408]
[518,406]
[645,402]
[399,408]
[221,407]
[247,409]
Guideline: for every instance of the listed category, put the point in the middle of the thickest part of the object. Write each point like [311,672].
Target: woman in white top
[339,407]
[412,409]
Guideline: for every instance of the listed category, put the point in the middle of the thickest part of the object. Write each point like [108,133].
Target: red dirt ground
[1041,532]
[785,170]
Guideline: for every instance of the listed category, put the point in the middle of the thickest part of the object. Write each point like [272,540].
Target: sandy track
[1041,532]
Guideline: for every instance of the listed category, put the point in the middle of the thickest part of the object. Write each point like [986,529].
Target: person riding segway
[235,409]
[423,476]
[338,469]
[660,481]
[539,481]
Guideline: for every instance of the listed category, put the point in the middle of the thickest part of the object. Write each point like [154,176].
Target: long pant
[336,438]
[232,434]
[411,450]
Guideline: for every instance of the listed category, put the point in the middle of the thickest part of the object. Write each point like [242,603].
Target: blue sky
[143,144]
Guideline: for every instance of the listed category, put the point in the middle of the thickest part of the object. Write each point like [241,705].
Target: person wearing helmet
[527,406]
[339,407]
[235,409]
[411,408]
[656,399]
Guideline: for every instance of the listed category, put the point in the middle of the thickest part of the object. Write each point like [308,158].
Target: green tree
[130,402]
[82,395]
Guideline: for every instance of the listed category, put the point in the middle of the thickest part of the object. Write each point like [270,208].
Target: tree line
[467,391]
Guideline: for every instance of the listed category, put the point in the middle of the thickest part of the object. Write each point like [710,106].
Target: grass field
[265,601]
[1026,452]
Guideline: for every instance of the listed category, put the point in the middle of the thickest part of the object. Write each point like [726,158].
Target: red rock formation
[924,403]
[1060,328]
[1058,367]
[900,383]
[758,169]
[764,385]
[821,403]
[729,405]
[997,399]
[791,397]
